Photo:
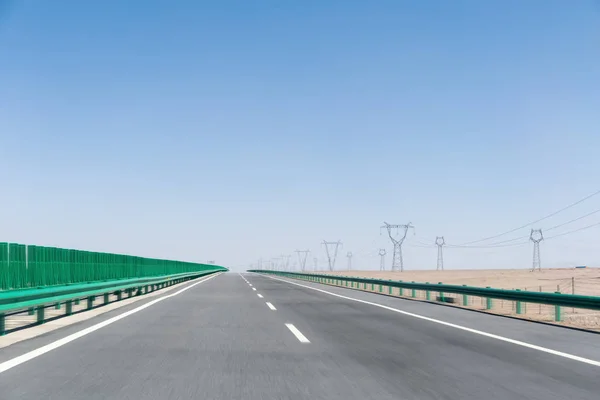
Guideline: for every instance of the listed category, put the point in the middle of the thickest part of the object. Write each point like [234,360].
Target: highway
[249,336]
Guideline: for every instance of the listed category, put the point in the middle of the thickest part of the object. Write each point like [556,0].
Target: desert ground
[583,281]
[568,280]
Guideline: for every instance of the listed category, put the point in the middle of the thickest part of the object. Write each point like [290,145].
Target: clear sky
[234,130]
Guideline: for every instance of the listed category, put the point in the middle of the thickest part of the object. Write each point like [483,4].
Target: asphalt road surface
[226,339]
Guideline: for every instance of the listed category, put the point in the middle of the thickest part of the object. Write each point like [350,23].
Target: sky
[239,130]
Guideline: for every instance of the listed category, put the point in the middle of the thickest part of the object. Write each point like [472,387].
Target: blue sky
[233,130]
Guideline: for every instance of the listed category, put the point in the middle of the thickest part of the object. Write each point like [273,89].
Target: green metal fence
[25,266]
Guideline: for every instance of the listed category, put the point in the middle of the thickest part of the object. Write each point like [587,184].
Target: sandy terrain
[579,281]
[572,281]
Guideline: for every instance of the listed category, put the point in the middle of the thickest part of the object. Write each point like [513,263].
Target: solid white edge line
[271,306]
[260,295]
[463,328]
[297,333]
[5,366]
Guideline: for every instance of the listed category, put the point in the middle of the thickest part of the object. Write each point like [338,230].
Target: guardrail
[36,301]
[557,299]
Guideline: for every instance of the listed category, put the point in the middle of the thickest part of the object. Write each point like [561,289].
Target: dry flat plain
[584,281]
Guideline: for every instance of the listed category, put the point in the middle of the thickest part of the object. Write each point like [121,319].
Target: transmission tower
[274,263]
[397,242]
[331,260]
[440,242]
[536,237]
[382,254]
[302,255]
[349,255]
[285,262]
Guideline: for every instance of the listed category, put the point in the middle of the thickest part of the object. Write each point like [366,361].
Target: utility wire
[573,220]
[526,237]
[489,246]
[573,231]
[533,222]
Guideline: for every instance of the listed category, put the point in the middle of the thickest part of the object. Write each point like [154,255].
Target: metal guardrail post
[106,298]
[31,311]
[69,307]
[77,302]
[557,312]
[427,293]
[518,304]
[465,299]
[2,324]
[401,290]
[57,306]
[40,315]
[414,291]
[90,302]
[442,298]
[488,301]
[380,288]
[119,294]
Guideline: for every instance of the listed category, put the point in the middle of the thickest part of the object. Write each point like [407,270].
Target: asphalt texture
[219,340]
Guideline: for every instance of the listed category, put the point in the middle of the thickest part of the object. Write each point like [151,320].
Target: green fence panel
[4,267]
[26,266]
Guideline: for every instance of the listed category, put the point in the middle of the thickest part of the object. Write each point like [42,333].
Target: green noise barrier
[28,266]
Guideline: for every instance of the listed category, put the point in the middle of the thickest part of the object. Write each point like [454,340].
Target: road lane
[418,359]
[219,341]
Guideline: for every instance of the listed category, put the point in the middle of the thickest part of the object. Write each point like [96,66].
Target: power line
[495,244]
[573,231]
[487,247]
[534,222]
[549,229]
[573,220]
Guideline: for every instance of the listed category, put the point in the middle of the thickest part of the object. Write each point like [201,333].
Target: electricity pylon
[536,237]
[440,242]
[382,254]
[302,255]
[330,259]
[285,262]
[397,257]
[349,255]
